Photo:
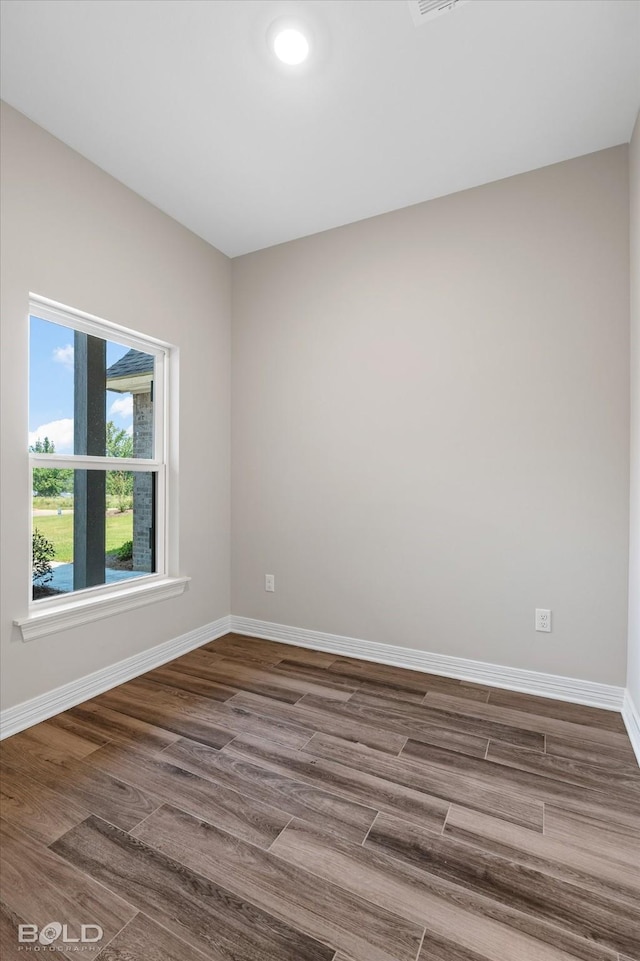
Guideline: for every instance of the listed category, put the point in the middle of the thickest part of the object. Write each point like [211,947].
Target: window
[98,453]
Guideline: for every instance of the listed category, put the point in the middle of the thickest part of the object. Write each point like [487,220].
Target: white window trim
[80,608]
[50,615]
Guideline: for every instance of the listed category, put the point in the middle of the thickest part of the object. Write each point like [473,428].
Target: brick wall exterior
[142,483]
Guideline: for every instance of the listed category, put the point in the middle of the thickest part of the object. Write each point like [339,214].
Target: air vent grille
[423,10]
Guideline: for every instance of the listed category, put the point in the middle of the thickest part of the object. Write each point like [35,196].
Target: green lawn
[66,503]
[58,528]
[52,503]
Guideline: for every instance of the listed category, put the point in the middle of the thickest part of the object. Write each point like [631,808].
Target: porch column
[89,429]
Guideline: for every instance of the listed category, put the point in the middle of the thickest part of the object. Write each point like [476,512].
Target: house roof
[131,363]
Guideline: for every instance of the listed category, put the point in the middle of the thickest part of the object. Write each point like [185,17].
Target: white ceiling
[182,101]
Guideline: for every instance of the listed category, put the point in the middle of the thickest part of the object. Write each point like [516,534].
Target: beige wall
[430,424]
[633,671]
[72,233]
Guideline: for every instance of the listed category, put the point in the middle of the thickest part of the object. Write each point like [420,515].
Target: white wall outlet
[543,620]
[269,582]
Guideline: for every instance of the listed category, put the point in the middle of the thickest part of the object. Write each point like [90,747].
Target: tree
[49,481]
[119,442]
[119,482]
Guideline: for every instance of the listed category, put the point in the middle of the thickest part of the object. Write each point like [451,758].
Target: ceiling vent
[423,10]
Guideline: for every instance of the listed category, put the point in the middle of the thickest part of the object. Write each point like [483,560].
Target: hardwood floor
[253,801]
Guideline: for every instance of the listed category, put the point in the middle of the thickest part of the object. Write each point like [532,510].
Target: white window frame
[48,615]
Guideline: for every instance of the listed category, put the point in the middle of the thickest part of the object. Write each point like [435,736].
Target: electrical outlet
[269,582]
[543,620]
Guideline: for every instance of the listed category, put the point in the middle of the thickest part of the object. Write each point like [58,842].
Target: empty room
[320,480]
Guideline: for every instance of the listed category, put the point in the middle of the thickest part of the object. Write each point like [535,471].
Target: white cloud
[64,356]
[59,432]
[123,406]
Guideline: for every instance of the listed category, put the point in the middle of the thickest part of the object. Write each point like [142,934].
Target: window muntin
[100,392]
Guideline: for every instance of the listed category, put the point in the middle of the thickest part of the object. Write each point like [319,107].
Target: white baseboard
[606,696]
[631,718]
[514,679]
[24,715]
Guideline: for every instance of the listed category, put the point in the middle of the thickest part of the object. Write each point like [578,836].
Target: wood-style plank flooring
[254,801]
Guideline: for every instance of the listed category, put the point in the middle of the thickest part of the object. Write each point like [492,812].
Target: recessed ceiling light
[291,46]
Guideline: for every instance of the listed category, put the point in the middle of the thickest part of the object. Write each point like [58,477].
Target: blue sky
[51,386]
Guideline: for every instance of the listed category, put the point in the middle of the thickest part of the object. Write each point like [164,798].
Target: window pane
[91,528]
[50,387]
[88,395]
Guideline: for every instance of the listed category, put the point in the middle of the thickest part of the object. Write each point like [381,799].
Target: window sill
[82,610]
